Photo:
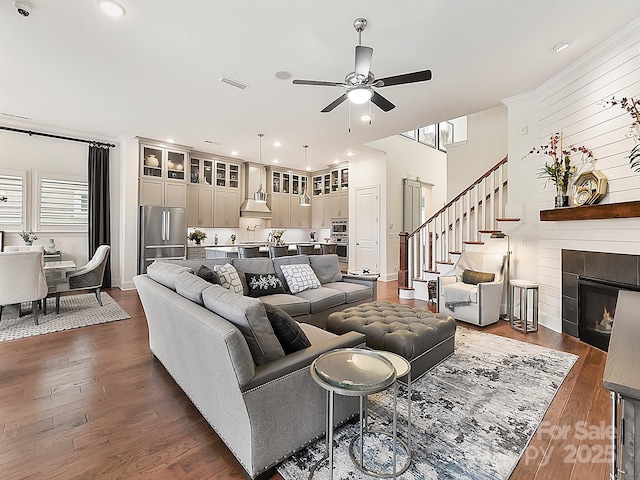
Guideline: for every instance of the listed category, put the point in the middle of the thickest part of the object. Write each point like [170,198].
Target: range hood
[250,208]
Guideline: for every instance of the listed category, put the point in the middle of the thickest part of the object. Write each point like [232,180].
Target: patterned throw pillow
[473,278]
[300,277]
[229,277]
[261,284]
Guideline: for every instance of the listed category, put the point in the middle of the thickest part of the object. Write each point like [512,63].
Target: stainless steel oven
[340,236]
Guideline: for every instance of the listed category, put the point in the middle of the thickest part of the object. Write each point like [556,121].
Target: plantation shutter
[63,202]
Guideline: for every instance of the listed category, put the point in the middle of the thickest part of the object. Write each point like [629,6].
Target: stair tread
[473,243]
[431,271]
[445,263]
[508,219]
[404,288]
[489,231]
[455,253]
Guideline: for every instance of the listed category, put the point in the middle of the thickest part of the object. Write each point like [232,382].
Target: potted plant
[28,237]
[559,169]
[197,236]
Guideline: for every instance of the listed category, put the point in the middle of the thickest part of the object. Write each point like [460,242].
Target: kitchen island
[231,251]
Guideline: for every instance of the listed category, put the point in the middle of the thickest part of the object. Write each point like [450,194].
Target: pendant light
[305,200]
[259,196]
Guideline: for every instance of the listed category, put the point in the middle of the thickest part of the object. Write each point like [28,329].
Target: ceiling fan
[361,82]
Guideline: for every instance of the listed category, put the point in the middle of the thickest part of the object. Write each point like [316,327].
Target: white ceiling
[154,72]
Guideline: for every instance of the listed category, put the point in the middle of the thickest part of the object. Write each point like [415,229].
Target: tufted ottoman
[422,337]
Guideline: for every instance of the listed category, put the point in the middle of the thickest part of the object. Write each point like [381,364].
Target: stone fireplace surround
[612,267]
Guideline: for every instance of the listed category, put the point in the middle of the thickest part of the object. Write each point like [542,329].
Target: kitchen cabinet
[321,184]
[196,253]
[201,171]
[226,207]
[200,202]
[339,204]
[280,206]
[321,212]
[227,175]
[283,199]
[162,176]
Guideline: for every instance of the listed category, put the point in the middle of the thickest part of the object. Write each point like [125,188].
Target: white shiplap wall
[571,103]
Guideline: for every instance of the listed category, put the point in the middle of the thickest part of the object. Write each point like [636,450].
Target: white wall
[48,155]
[486,145]
[569,102]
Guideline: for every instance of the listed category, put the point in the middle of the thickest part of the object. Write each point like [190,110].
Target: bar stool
[328,248]
[523,323]
[248,252]
[278,251]
[307,250]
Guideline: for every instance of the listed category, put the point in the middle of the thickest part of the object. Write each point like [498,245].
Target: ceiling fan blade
[319,83]
[363,61]
[414,77]
[334,104]
[382,102]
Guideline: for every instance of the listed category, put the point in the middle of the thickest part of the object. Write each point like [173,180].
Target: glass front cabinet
[162,176]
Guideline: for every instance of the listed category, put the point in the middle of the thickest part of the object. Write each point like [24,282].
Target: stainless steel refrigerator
[163,235]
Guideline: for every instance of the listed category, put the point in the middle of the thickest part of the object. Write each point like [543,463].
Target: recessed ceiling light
[277,144]
[561,46]
[365,118]
[349,153]
[170,140]
[308,169]
[234,153]
[282,75]
[111,8]
[275,160]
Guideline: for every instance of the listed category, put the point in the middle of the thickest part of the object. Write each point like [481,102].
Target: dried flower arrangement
[632,106]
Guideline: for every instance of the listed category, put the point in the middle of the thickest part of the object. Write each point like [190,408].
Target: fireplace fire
[596,309]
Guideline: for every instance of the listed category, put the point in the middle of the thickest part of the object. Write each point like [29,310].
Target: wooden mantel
[592,212]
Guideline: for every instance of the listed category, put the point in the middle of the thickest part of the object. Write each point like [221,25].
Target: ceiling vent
[233,83]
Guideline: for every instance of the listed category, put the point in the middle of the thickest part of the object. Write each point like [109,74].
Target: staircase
[463,224]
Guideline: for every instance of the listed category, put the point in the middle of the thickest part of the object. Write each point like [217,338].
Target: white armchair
[22,280]
[474,294]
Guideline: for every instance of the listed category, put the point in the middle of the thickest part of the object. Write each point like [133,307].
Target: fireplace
[590,285]
[597,301]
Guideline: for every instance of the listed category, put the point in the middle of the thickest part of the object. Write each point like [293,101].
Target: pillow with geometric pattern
[300,277]
[229,277]
[473,278]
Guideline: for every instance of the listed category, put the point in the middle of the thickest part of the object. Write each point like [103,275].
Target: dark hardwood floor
[91,403]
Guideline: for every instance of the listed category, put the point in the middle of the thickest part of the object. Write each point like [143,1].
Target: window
[12,184]
[63,202]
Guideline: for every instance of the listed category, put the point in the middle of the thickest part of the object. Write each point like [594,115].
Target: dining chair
[328,248]
[278,251]
[22,279]
[307,250]
[248,252]
[88,277]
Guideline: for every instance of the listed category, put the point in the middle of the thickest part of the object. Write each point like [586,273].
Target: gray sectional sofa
[262,402]
[337,291]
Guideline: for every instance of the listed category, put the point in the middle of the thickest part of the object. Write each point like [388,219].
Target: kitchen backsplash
[254,230]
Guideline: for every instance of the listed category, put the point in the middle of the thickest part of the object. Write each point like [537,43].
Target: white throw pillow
[300,277]
[229,277]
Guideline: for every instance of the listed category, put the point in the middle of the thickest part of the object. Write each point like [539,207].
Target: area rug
[472,416]
[75,311]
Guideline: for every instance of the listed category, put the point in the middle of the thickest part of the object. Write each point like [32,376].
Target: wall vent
[233,83]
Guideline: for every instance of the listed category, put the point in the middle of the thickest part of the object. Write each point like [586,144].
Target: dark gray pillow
[472,277]
[289,333]
[326,268]
[209,275]
[260,284]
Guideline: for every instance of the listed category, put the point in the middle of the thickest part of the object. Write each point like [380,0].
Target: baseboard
[389,277]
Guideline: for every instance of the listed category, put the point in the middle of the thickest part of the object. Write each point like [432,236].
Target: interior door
[367,218]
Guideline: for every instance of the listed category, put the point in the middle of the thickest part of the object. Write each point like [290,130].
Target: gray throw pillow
[249,316]
[326,268]
[289,333]
[166,273]
[191,286]
[473,278]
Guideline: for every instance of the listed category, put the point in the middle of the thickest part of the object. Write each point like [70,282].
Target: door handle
[164,225]
[168,225]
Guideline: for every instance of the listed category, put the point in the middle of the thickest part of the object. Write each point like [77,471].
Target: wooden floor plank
[92,403]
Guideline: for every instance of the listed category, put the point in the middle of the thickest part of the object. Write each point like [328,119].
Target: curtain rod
[49,135]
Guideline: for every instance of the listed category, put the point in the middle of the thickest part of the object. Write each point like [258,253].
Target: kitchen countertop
[263,246]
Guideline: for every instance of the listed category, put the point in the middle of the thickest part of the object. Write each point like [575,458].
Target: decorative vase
[51,248]
[197,240]
[562,201]
[151,161]
[28,243]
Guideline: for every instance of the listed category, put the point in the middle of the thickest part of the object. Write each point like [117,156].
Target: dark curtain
[99,204]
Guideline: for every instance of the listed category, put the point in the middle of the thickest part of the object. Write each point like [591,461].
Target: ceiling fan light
[359,95]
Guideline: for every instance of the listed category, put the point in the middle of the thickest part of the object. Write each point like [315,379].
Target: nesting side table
[524,289]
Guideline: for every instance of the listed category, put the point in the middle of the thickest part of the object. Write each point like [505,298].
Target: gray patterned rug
[75,311]
[472,416]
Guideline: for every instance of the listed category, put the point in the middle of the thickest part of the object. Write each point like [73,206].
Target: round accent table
[355,372]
